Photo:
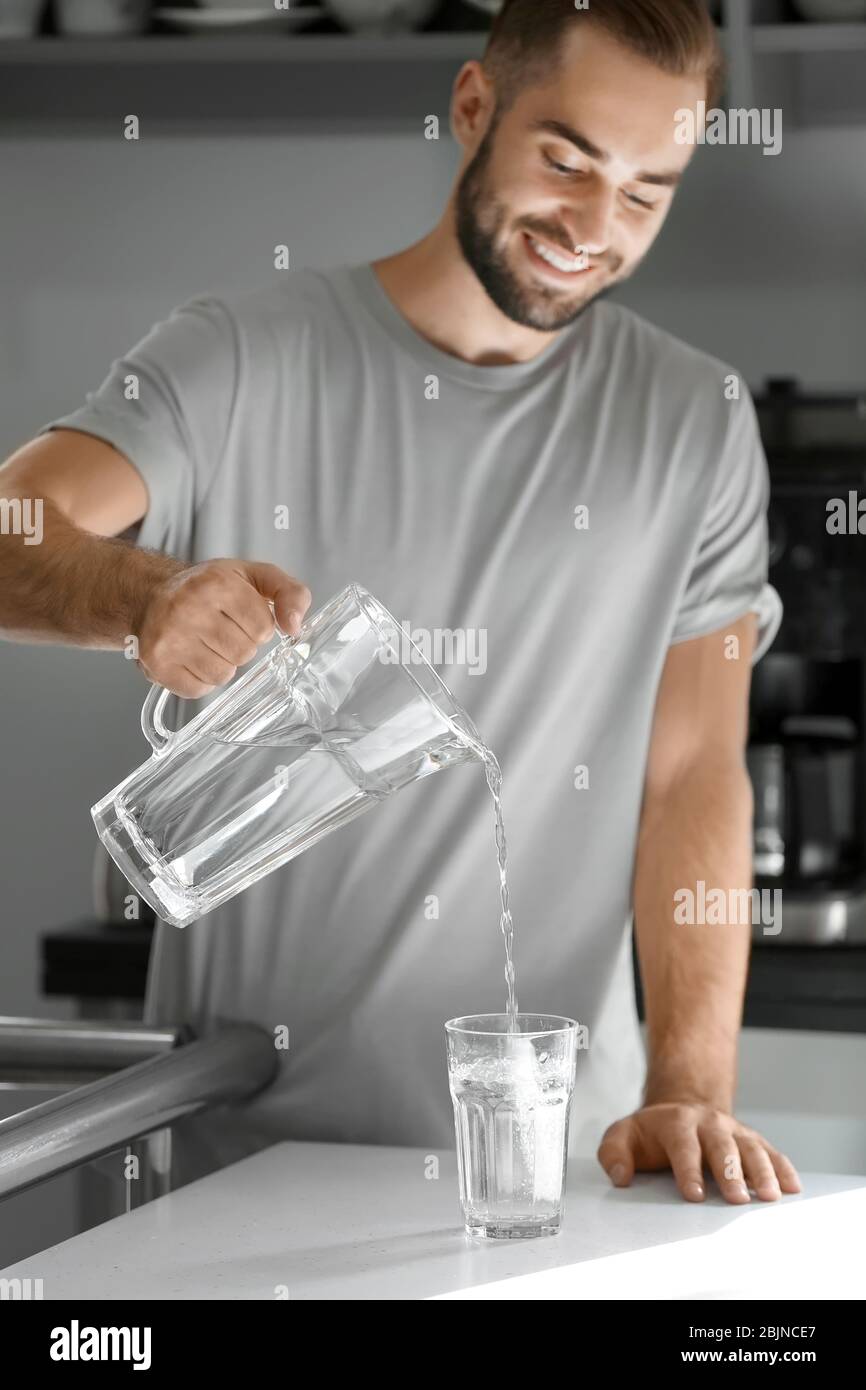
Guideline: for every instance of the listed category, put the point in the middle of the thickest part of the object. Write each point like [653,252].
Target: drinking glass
[512,1088]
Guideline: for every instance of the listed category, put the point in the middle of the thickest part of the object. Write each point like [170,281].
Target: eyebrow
[574,137]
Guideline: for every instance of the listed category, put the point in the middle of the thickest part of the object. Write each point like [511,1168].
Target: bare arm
[65,576]
[69,580]
[696,825]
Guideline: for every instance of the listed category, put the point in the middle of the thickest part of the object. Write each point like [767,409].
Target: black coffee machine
[807,744]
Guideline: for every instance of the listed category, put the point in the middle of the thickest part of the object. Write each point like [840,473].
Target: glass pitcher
[321,728]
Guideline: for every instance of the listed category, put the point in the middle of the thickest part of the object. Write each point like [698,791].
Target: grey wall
[762,264]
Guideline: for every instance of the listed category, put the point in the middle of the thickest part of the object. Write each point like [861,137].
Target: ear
[472,105]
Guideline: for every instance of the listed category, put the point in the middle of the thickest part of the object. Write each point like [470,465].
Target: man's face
[582,169]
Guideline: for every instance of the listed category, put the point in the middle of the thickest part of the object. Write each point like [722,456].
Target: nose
[590,220]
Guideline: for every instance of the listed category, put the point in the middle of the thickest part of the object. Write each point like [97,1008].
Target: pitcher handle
[157,735]
[154,730]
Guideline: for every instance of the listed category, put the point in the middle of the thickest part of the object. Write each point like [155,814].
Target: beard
[480,219]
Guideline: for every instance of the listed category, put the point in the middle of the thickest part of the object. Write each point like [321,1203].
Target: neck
[441,297]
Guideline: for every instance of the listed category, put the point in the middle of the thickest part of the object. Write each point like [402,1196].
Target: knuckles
[182,607]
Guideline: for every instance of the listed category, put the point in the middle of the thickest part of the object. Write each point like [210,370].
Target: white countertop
[345,1221]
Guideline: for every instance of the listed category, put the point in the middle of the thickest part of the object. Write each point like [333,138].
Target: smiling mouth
[558,260]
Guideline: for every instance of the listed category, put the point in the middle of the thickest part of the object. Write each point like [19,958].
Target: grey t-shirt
[452,492]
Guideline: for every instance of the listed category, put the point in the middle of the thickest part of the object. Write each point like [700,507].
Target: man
[472,432]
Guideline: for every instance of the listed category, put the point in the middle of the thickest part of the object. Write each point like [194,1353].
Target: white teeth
[571,267]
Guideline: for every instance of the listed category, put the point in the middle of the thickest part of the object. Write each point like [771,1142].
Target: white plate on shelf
[189,21]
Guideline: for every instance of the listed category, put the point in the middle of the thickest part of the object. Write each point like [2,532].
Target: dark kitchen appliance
[807,746]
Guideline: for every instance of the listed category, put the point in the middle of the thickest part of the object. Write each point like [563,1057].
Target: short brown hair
[677,35]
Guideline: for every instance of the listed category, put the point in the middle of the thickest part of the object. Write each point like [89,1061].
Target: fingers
[741,1159]
[786,1173]
[188,685]
[290,597]
[222,635]
[686,1160]
[242,604]
[210,668]
[203,623]
[689,1138]
[615,1153]
[723,1157]
[758,1169]
[199,667]
[232,640]
[214,659]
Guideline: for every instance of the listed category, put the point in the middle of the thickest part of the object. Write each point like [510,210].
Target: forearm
[694,975]
[72,586]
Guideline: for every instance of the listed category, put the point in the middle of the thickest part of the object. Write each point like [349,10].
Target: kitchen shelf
[808,38]
[338,81]
[325,80]
[259,48]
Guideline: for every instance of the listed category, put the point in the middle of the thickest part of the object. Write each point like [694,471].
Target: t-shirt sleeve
[166,404]
[728,577]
